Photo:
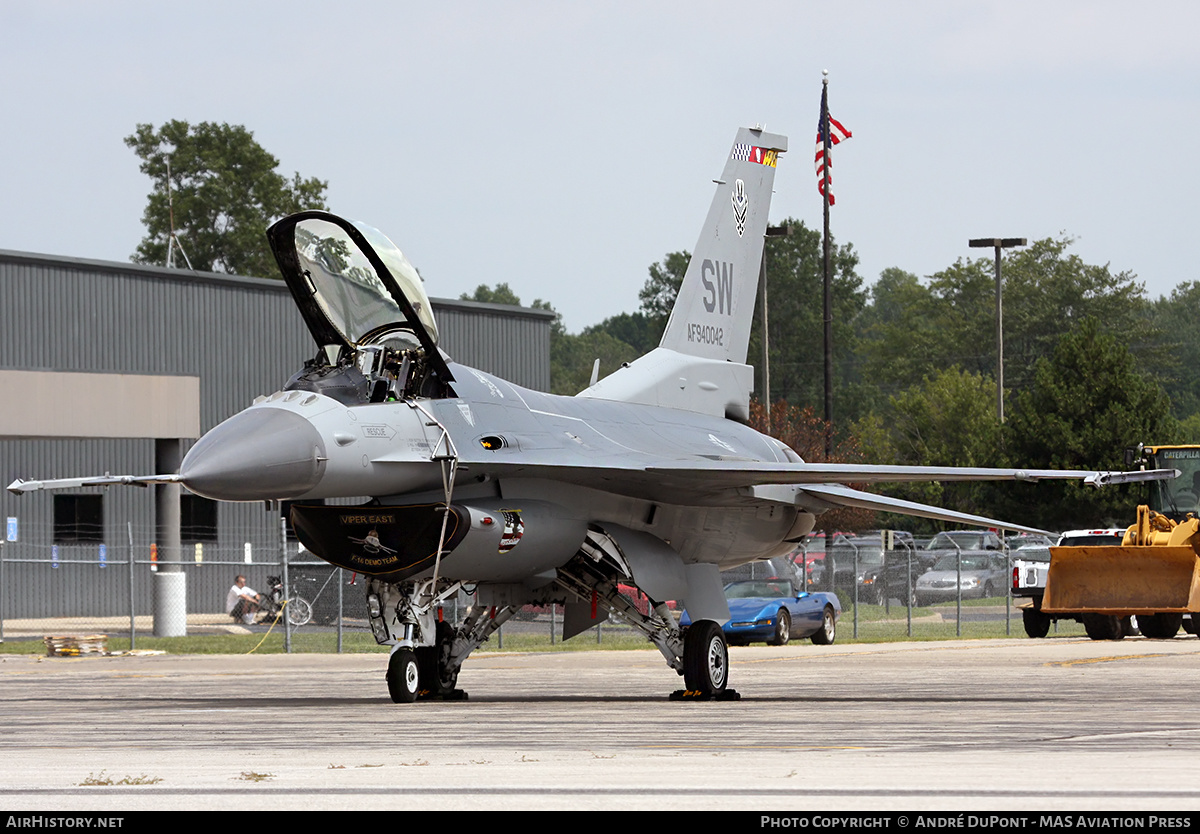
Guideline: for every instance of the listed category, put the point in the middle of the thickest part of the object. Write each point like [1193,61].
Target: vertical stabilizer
[700,364]
[715,306]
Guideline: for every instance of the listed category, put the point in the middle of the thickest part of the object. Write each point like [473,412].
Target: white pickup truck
[1029,566]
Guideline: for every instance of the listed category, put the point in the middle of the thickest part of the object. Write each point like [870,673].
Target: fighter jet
[649,478]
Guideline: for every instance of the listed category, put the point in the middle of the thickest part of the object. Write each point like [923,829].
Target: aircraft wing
[731,473]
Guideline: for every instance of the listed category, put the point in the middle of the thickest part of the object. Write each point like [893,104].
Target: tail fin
[700,363]
[715,306]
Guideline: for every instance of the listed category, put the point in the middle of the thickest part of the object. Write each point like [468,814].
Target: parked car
[1022,541]
[772,610]
[881,574]
[896,578]
[1085,538]
[983,575]
[639,599]
[814,567]
[955,540]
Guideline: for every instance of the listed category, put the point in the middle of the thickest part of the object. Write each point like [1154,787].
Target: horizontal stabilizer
[846,497]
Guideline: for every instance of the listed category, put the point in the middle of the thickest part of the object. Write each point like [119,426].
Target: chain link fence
[130,594]
[890,588]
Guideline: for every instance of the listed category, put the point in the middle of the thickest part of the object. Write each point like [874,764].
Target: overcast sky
[564,147]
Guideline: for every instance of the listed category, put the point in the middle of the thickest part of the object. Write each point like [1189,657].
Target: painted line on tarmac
[1109,659]
[885,648]
[857,794]
[747,747]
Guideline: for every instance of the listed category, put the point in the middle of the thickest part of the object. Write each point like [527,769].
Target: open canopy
[350,281]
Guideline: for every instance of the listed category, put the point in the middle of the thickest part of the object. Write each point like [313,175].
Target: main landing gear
[705,663]
[699,653]
[427,651]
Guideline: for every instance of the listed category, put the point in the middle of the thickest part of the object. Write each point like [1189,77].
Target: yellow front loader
[1154,574]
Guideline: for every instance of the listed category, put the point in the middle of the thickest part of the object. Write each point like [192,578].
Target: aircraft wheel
[1103,626]
[783,629]
[825,635]
[705,659]
[299,611]
[433,677]
[403,676]
[1037,624]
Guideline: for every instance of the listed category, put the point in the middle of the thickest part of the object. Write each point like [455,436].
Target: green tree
[948,419]
[795,272]
[658,293]
[1175,319]
[226,191]
[1087,403]
[913,329]
[572,358]
[804,433]
[795,293]
[638,330]
[500,294]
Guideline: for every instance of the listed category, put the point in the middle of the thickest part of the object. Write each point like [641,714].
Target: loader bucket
[1122,580]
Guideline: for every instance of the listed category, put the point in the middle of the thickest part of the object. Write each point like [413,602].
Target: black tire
[783,629]
[1160,626]
[827,633]
[1189,625]
[988,591]
[1103,627]
[403,676]
[1037,624]
[705,659]
[441,681]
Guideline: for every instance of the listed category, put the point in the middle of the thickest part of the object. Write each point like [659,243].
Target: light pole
[998,243]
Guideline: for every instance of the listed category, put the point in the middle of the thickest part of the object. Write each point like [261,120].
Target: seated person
[242,601]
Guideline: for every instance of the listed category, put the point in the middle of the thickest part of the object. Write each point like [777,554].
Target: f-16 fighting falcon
[649,478]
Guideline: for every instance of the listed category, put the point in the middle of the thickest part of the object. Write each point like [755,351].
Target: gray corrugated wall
[241,336]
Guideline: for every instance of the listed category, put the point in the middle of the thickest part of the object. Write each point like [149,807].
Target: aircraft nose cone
[260,454]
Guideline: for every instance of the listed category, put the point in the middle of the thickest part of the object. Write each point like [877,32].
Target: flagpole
[825,256]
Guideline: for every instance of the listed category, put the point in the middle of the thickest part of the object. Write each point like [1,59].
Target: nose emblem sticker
[514,528]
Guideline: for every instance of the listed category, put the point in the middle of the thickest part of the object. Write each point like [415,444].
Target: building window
[197,519]
[78,518]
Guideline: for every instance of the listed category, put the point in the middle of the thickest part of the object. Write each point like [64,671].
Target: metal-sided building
[104,365]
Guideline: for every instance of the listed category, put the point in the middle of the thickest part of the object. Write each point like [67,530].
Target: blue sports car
[772,610]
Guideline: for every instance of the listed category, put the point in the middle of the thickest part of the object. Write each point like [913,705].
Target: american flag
[837,132]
